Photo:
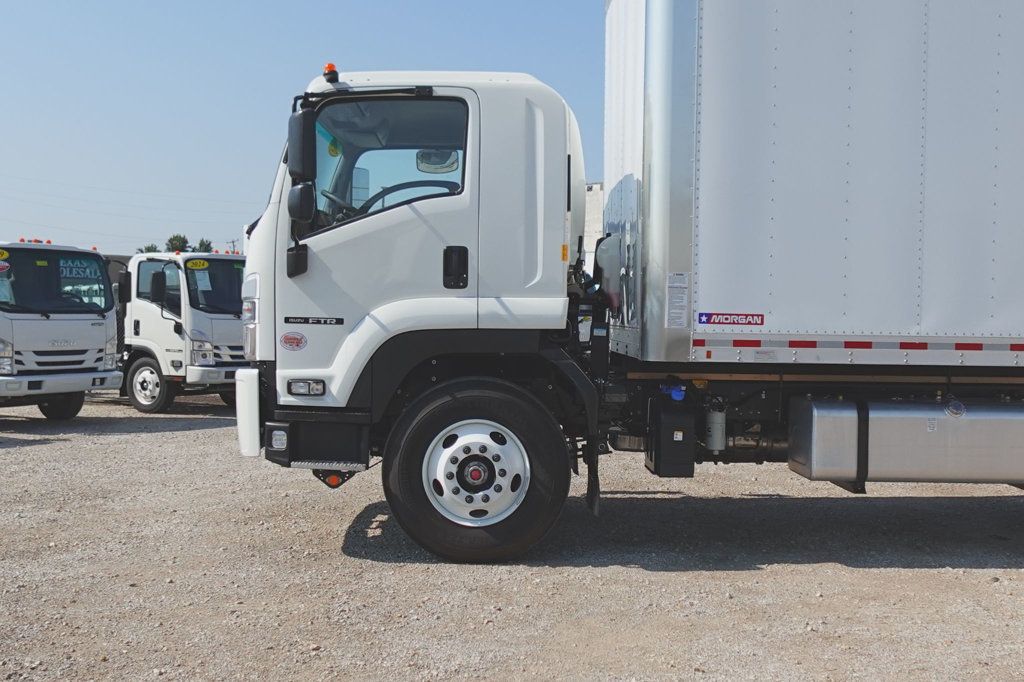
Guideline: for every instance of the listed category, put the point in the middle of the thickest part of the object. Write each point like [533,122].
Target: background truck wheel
[147,388]
[476,470]
[62,406]
[228,397]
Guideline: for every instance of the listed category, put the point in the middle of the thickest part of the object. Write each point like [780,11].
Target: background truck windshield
[215,286]
[51,281]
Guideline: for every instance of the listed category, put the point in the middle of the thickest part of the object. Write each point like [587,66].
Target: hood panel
[56,345]
[59,334]
[227,332]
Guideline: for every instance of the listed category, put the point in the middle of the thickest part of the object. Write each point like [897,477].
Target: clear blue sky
[124,122]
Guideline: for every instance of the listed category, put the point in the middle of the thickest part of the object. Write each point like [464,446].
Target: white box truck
[57,327]
[814,236]
[180,315]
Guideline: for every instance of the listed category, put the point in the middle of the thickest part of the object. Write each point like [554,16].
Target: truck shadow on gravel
[98,426]
[680,533]
[8,442]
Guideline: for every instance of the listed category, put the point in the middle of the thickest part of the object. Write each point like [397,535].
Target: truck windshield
[49,281]
[215,285]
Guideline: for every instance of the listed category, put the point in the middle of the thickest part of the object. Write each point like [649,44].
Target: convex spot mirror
[302,203]
[437,161]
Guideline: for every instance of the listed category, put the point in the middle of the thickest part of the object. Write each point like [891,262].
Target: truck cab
[182,332]
[57,327]
[420,221]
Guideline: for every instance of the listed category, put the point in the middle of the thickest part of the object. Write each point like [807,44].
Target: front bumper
[21,385]
[247,410]
[212,375]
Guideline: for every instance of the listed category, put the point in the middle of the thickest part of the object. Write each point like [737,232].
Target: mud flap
[590,456]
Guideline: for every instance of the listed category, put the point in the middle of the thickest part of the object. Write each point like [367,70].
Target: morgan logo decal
[293,341]
[740,319]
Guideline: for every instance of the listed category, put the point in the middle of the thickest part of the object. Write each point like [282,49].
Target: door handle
[456,267]
[136,327]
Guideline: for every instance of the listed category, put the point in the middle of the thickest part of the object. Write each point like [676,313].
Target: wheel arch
[411,363]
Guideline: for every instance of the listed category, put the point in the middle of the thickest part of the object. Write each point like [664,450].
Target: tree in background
[204,246]
[148,248]
[177,242]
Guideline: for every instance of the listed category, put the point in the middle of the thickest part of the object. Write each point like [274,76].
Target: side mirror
[158,287]
[124,287]
[302,203]
[302,145]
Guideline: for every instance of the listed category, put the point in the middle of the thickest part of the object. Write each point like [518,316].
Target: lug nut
[502,472]
[496,457]
[454,459]
[455,491]
[483,449]
[449,475]
[485,498]
[469,499]
[497,488]
[466,450]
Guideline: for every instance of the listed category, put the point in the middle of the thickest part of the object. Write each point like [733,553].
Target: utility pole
[232,242]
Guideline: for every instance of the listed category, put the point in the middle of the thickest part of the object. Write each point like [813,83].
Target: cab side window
[145,279]
[173,299]
[376,154]
[144,286]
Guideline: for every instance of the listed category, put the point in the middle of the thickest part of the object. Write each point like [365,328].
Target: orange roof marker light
[330,73]
[22,240]
[95,249]
[48,241]
[177,253]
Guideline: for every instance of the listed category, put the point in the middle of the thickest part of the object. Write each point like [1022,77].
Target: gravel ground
[144,547]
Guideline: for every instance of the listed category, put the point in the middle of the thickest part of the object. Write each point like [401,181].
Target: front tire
[476,470]
[148,390]
[62,406]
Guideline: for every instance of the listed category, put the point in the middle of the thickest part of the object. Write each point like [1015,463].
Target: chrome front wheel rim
[476,473]
[146,386]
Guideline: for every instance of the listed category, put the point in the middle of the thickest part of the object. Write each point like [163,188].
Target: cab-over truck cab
[419,233]
[57,327]
[182,331]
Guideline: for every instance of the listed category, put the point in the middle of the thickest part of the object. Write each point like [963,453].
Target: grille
[57,361]
[229,356]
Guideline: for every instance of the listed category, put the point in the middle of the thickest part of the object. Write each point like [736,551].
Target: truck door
[150,323]
[393,246]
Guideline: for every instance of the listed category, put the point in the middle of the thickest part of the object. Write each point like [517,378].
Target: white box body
[817,182]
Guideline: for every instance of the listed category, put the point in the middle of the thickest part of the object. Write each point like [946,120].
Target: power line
[69,229]
[127,191]
[230,211]
[109,213]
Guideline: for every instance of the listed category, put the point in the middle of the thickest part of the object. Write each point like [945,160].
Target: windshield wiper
[224,311]
[19,308]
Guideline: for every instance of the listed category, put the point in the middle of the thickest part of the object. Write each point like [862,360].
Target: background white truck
[815,241]
[57,327]
[180,319]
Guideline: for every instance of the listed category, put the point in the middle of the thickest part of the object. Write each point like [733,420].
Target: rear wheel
[62,406]
[228,397]
[476,470]
[148,390]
